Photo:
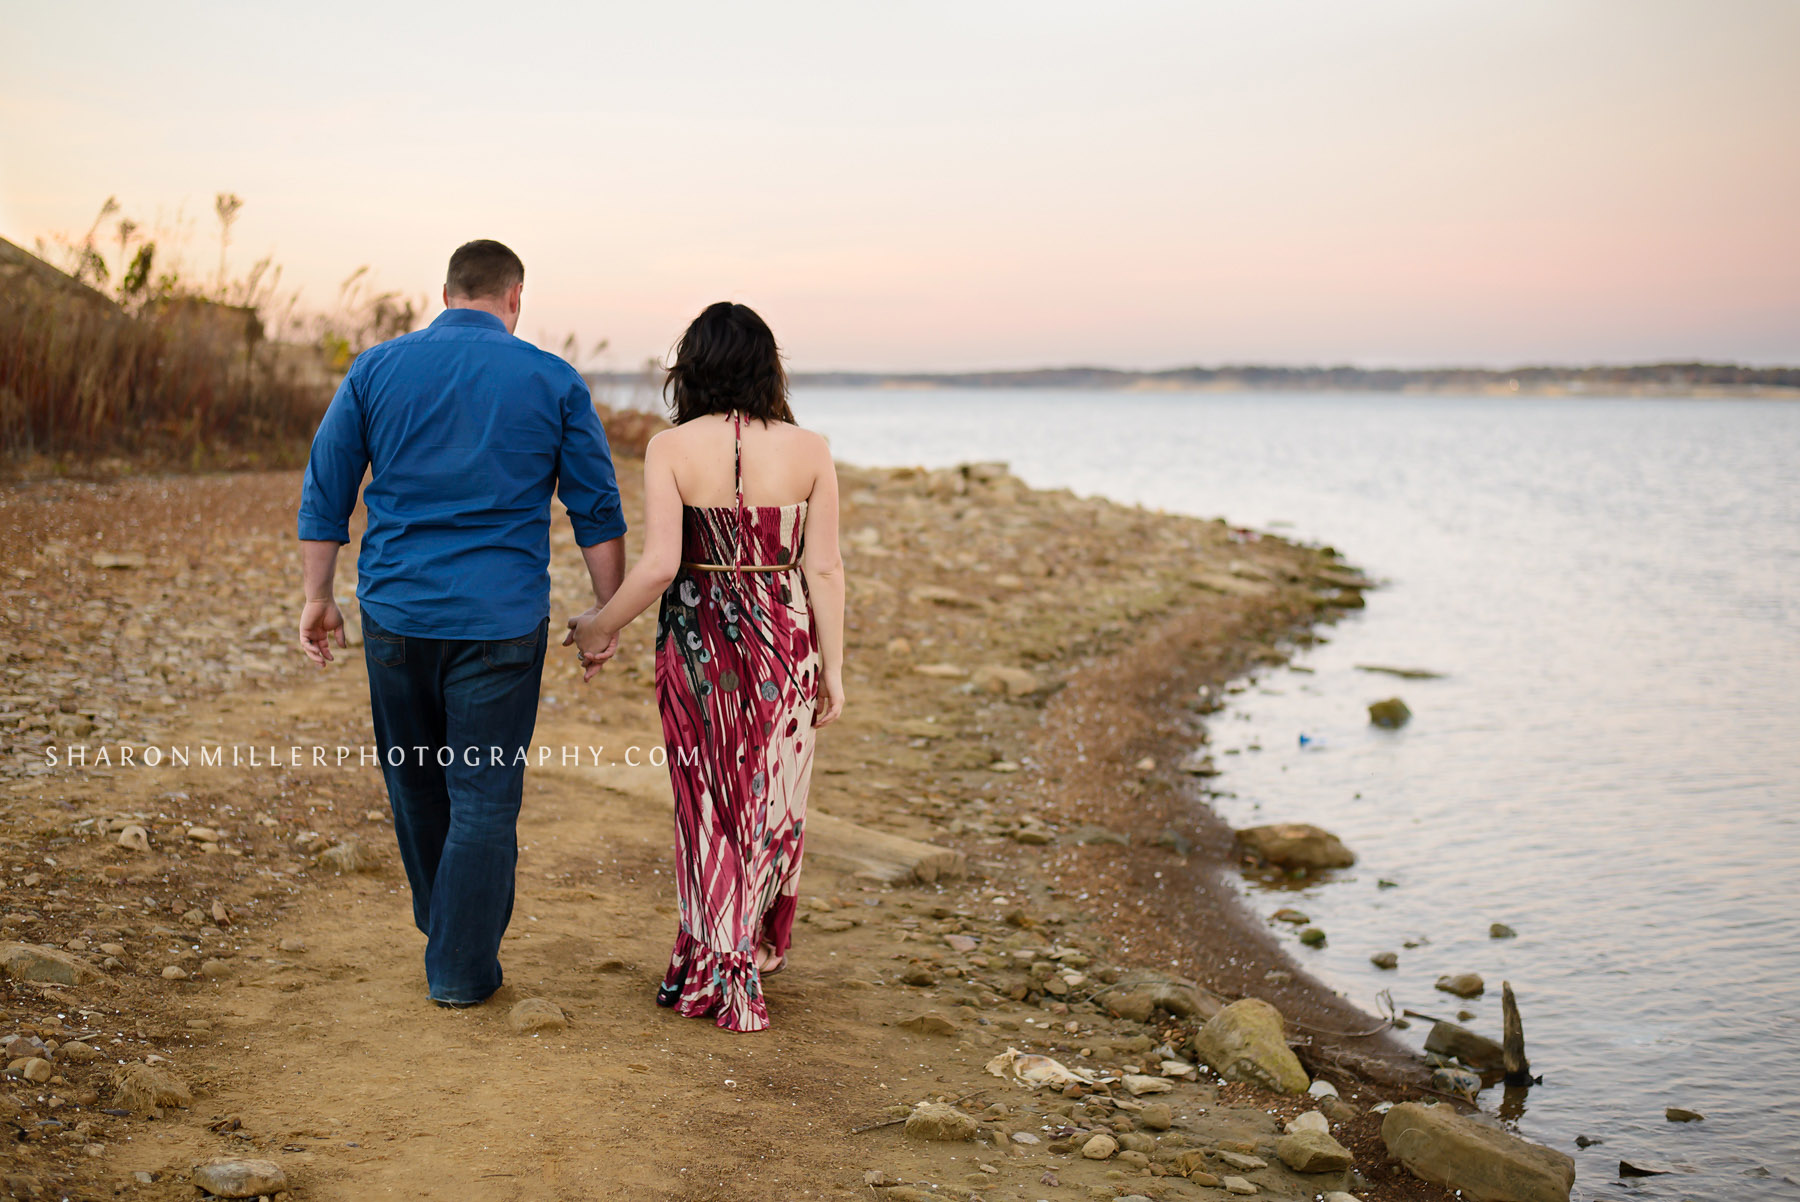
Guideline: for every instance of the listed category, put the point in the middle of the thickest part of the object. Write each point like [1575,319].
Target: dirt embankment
[1022,673]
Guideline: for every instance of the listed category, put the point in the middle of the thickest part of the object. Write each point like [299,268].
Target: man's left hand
[319,621]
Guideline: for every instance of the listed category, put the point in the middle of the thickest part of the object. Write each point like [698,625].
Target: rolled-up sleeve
[334,469]
[584,473]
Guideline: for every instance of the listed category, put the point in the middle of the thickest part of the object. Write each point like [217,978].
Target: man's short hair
[483,268]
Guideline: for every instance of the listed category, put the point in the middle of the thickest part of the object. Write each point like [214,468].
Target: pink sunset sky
[969,185]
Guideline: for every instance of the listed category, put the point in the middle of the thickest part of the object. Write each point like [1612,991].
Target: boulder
[1476,1051]
[940,1122]
[1297,845]
[1245,1042]
[1390,714]
[1311,1151]
[29,962]
[240,1178]
[1487,1163]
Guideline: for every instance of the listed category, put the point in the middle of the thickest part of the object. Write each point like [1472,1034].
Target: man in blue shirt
[465,431]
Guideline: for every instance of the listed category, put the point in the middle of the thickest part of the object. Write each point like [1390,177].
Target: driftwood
[1512,1038]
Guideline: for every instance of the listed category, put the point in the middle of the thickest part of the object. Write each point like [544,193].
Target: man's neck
[482,304]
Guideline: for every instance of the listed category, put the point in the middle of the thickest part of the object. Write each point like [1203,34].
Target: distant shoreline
[1706,380]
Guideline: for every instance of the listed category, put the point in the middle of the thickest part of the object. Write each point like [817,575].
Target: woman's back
[780,463]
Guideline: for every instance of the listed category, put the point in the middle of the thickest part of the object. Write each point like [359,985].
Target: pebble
[134,838]
[1239,1160]
[1322,1088]
[919,975]
[37,1070]
[534,1015]
[292,944]
[929,1024]
[1312,1120]
[240,1178]
[940,1122]
[1677,1114]
[961,943]
[1157,1116]
[1500,930]
[1462,984]
[215,970]
[1025,1137]
[172,973]
[1313,937]
[1100,1147]
[1237,1185]
[202,834]
[1385,959]
[77,1052]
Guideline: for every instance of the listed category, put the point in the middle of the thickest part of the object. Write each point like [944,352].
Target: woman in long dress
[741,545]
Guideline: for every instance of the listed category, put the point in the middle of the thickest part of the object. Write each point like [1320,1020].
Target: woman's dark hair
[727,360]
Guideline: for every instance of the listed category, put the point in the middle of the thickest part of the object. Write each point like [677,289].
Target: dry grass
[81,380]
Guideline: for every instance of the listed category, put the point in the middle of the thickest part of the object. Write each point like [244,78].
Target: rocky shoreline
[1020,973]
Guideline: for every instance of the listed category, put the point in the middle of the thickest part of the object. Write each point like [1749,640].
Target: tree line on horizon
[1659,377]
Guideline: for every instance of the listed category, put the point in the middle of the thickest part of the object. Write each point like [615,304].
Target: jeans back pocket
[384,647]
[521,652]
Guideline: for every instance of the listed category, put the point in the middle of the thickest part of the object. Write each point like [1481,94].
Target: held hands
[594,646]
[319,621]
[831,699]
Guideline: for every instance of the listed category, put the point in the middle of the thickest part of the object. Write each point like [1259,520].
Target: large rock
[1245,1042]
[240,1178]
[877,855]
[1297,845]
[1476,1051]
[1311,1151]
[28,962]
[1488,1164]
[937,1121]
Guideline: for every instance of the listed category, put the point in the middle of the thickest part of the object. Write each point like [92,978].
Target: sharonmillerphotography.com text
[317,755]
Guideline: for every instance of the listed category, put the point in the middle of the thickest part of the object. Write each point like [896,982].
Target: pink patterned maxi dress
[737,677]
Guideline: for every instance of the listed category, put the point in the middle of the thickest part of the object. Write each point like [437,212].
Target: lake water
[1610,764]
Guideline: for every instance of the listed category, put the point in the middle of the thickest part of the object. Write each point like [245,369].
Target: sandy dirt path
[287,995]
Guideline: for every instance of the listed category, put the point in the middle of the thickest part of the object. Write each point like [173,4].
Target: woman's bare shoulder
[810,442]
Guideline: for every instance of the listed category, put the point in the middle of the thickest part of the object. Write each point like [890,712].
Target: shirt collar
[469,317]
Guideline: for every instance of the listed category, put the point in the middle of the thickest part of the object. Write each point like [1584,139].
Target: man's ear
[517,297]
[446,296]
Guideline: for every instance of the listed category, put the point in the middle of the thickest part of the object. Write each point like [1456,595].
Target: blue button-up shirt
[467,430]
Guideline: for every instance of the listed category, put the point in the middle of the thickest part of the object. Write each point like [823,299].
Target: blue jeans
[453,723]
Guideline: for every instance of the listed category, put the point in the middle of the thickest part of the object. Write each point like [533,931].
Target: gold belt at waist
[730,567]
